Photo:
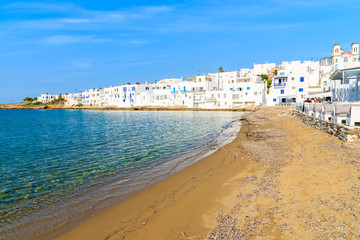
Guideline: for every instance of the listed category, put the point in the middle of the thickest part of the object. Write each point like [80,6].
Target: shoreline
[157,194]
[161,172]
[22,106]
[279,179]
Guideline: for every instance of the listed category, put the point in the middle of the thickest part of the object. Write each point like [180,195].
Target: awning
[320,95]
[338,74]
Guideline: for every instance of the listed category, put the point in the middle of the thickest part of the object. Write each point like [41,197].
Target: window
[255,93]
[292,78]
[282,91]
[301,90]
[301,79]
[218,95]
[224,95]
[248,88]
[355,49]
[147,88]
[346,59]
[274,100]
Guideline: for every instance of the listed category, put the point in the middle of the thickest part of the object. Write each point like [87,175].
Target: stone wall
[344,133]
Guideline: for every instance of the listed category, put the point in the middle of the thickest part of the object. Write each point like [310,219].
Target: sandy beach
[279,179]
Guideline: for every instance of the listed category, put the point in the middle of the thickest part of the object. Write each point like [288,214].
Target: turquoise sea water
[59,167]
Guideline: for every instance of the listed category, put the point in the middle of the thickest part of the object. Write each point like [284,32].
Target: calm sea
[59,167]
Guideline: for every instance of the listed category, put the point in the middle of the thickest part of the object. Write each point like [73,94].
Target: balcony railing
[279,84]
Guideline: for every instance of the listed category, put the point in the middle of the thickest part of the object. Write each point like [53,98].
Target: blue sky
[59,46]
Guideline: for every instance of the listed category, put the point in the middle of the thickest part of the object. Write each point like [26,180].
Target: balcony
[193,91]
[198,100]
[210,100]
[280,85]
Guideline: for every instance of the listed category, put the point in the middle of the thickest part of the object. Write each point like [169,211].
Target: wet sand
[279,179]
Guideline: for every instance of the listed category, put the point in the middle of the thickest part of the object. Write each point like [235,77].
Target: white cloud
[42,7]
[68,39]
[71,16]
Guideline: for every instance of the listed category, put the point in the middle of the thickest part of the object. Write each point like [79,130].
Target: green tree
[59,100]
[220,69]
[265,78]
[27,99]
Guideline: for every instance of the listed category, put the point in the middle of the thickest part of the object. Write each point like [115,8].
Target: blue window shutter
[248,88]
[274,100]
[301,79]
[282,91]
[301,90]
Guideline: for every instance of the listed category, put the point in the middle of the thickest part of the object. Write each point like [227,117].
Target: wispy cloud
[67,39]
[138,42]
[81,65]
[69,15]
[42,7]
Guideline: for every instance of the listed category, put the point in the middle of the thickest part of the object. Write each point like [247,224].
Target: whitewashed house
[296,81]
[46,97]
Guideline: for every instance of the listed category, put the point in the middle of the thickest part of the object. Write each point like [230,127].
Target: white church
[341,59]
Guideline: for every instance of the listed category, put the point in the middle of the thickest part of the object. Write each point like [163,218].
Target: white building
[72,99]
[296,81]
[263,68]
[341,59]
[236,89]
[46,97]
[130,95]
